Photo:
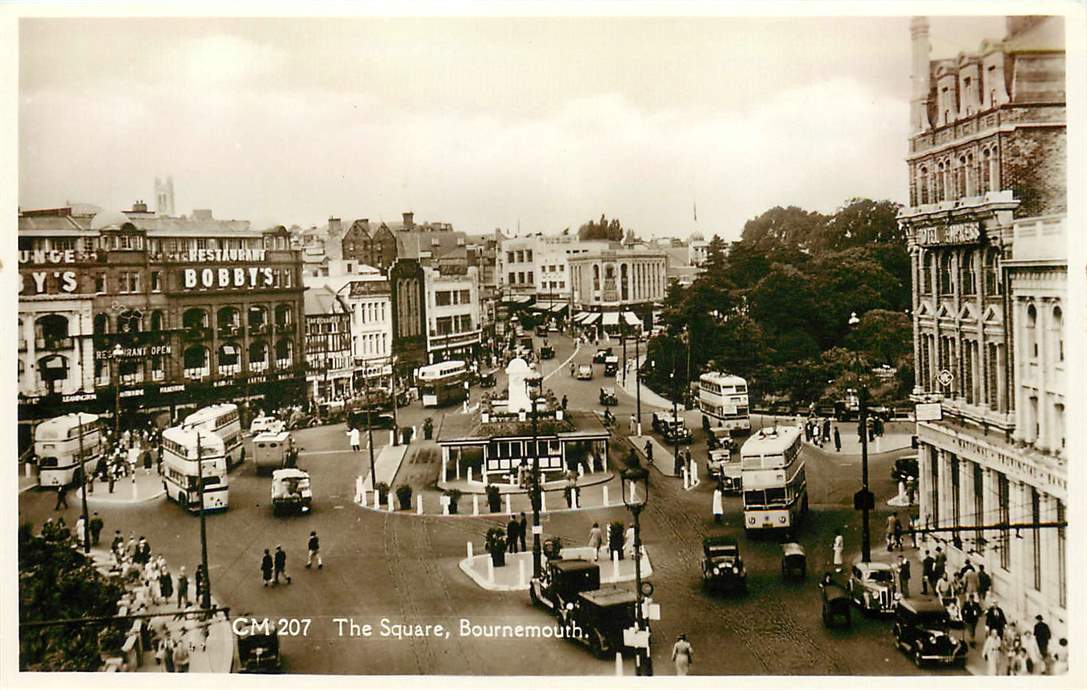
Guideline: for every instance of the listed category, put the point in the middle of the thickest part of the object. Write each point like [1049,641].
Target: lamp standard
[534,391]
[369,426]
[118,351]
[205,600]
[675,414]
[623,340]
[863,499]
[633,477]
[392,387]
[638,380]
[82,474]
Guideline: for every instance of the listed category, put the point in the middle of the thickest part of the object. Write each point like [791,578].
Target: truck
[291,491]
[274,451]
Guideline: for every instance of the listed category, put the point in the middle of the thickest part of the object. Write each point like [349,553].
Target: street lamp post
[536,564]
[392,388]
[623,339]
[633,477]
[675,415]
[864,499]
[205,600]
[83,487]
[117,352]
[638,380]
[369,426]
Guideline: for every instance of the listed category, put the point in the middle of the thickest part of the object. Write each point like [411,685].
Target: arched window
[228,317]
[994,170]
[195,318]
[623,282]
[258,316]
[158,321]
[967,276]
[971,176]
[986,174]
[946,281]
[283,351]
[195,359]
[927,266]
[229,355]
[939,182]
[960,178]
[51,329]
[1032,338]
[53,368]
[130,321]
[258,355]
[596,277]
[1058,332]
[283,315]
[101,324]
[922,185]
[992,273]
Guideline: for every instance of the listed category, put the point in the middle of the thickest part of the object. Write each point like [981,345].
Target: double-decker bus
[442,383]
[223,421]
[723,398]
[181,445]
[775,488]
[57,445]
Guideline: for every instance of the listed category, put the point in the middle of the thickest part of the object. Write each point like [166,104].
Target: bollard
[377,500]
[694,469]
[574,500]
[521,571]
[469,475]
[490,570]
[615,565]
[581,470]
[475,504]
[419,504]
[543,501]
[29,469]
[471,555]
[605,497]
[686,479]
[509,508]
[390,504]
[618,663]
[445,509]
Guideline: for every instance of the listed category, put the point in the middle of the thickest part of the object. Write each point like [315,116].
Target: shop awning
[519,299]
[556,308]
[591,319]
[580,317]
[631,319]
[611,318]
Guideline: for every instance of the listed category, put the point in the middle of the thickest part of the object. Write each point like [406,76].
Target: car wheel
[917,659]
[826,616]
[532,596]
[597,644]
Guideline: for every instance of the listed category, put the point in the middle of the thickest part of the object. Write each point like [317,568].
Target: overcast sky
[483,123]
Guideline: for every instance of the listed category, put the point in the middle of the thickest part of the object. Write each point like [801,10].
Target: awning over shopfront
[631,319]
[519,299]
[591,319]
[611,318]
[580,317]
[556,308]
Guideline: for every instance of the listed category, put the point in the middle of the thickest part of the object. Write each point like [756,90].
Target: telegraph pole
[369,426]
[83,488]
[205,600]
[536,565]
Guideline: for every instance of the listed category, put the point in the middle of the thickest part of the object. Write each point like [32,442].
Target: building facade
[407,288]
[613,281]
[149,313]
[329,361]
[452,314]
[986,235]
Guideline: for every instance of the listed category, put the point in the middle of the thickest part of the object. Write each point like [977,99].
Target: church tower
[164,196]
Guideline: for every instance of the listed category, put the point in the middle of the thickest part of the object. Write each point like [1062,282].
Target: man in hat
[1042,635]
[280,559]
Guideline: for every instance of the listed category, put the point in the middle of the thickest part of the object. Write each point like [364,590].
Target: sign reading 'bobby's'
[221,278]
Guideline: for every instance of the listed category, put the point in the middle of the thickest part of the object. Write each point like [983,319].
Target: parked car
[674,429]
[601,355]
[794,562]
[561,581]
[585,372]
[541,330]
[607,396]
[357,420]
[922,630]
[487,379]
[904,468]
[266,424]
[258,652]
[726,464]
[872,586]
[611,365]
[722,566]
[881,411]
[836,604]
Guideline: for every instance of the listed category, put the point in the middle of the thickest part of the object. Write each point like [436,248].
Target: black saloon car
[722,566]
[921,629]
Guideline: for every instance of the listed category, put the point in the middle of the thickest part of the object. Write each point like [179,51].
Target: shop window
[926,273]
[51,329]
[992,273]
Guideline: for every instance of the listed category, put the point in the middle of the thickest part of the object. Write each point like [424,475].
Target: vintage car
[836,604]
[547,352]
[291,491]
[725,464]
[265,424]
[601,355]
[601,615]
[561,581]
[541,330]
[720,437]
[882,412]
[904,468]
[607,396]
[274,451]
[487,379]
[258,652]
[722,566]
[674,429]
[794,562]
[378,420]
[872,586]
[611,365]
[922,630]
[584,372]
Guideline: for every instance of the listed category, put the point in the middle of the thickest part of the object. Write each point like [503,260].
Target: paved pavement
[405,569]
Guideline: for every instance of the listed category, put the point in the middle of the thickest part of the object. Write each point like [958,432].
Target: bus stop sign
[863,500]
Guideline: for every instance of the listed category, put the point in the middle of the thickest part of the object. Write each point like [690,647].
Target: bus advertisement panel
[442,383]
[64,444]
[223,421]
[181,473]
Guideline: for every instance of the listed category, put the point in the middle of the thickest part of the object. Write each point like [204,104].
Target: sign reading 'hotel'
[952,233]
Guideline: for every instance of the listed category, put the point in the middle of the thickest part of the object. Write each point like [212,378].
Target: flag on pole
[696,211]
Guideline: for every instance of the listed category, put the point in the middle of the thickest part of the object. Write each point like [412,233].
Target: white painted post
[543,501]
[359,496]
[694,469]
[445,509]
[605,497]
[392,436]
[377,500]
[135,490]
[581,470]
[475,504]
[618,663]
[419,504]
[390,501]
[509,508]
[573,500]
[490,570]
[521,571]
[29,469]
[458,464]
[615,565]
[686,479]
[469,475]
[470,550]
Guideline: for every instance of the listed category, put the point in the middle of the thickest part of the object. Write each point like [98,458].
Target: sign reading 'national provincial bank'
[952,233]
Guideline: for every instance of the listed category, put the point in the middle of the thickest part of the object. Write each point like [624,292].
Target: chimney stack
[921,48]
[409,220]
[335,227]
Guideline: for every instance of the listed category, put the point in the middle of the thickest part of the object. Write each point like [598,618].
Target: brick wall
[1034,167]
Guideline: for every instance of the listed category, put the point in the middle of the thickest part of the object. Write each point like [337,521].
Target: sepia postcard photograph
[410,344]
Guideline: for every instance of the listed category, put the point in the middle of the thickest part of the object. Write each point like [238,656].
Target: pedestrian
[181,654]
[1034,654]
[281,564]
[117,546]
[82,527]
[596,540]
[573,369]
[522,528]
[837,441]
[1017,662]
[111,477]
[62,497]
[564,402]
[718,507]
[96,526]
[897,532]
[826,429]
[911,530]
[314,546]
[971,614]
[928,573]
[353,435]
[166,584]
[682,655]
[943,589]
[1059,667]
[165,652]
[984,582]
[633,422]
[1042,635]
[838,547]
[511,535]
[649,451]
[993,653]
[995,620]
[940,567]
[678,464]
[904,576]
[889,533]
[266,568]
[615,540]
[970,581]
[201,584]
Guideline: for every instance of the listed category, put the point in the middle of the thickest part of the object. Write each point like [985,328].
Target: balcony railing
[258,366]
[197,333]
[197,373]
[283,363]
[229,369]
[231,331]
[259,329]
[285,327]
[53,343]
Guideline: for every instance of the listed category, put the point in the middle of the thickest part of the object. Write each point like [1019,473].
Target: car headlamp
[716,570]
[735,569]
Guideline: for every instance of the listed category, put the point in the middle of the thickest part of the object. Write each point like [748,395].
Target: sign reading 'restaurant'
[953,233]
[221,278]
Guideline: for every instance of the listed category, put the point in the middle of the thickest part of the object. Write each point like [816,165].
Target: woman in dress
[839,548]
[682,655]
[993,653]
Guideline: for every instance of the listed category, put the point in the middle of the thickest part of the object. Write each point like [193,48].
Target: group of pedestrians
[619,540]
[818,431]
[515,534]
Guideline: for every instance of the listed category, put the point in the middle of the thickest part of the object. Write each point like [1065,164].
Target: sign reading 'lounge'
[952,233]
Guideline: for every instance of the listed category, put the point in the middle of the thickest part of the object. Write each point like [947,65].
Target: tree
[602,230]
[791,227]
[884,337]
[860,223]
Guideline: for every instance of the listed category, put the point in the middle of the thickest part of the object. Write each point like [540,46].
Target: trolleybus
[65,444]
[223,421]
[775,489]
[442,383]
[723,398]
[181,474]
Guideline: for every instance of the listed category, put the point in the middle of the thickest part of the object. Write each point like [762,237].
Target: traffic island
[515,575]
[140,487]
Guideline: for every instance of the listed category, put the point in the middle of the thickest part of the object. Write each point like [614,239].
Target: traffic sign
[632,637]
[944,378]
[651,611]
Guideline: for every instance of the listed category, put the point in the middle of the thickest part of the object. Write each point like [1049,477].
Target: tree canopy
[602,229]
